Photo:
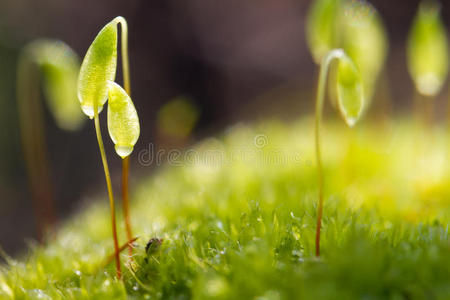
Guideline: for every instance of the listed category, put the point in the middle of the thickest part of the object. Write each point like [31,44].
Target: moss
[243,227]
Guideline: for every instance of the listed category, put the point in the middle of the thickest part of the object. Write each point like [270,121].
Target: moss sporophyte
[57,65]
[350,97]
[95,86]
[357,28]
[356,31]
[124,129]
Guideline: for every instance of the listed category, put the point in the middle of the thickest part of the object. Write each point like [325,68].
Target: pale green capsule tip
[89,110]
[123,150]
[350,91]
[98,67]
[123,121]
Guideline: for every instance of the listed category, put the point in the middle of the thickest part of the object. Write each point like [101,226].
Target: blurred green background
[197,67]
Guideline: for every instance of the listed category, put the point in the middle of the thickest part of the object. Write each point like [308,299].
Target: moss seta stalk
[126,160]
[126,201]
[323,74]
[109,186]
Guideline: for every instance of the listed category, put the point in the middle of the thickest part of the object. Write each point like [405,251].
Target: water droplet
[106,283]
[123,151]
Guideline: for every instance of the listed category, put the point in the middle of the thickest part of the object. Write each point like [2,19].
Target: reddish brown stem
[110,258]
[126,201]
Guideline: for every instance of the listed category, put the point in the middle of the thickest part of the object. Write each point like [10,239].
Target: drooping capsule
[349,90]
[123,121]
[97,68]
[427,50]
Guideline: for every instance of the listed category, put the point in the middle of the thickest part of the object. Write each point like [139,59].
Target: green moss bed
[237,218]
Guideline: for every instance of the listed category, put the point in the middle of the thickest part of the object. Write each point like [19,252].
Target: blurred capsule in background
[322,31]
[59,66]
[364,39]
[176,120]
[56,66]
[428,50]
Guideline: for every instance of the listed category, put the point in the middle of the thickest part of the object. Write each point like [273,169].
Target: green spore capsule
[98,67]
[428,50]
[349,91]
[123,121]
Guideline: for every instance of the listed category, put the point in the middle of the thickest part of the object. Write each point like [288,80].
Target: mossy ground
[237,219]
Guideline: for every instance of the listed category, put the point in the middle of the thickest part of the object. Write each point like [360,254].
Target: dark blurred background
[235,60]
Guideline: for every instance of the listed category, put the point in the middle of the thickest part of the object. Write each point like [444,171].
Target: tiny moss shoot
[58,66]
[97,69]
[350,101]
